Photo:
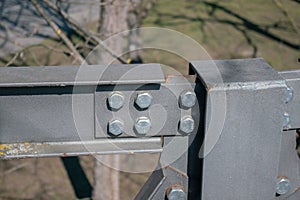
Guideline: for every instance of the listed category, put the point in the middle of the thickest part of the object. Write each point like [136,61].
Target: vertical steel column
[242,162]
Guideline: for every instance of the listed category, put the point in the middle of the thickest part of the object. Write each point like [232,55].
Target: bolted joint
[116,127]
[283,186]
[142,125]
[116,100]
[187,99]
[143,100]
[176,193]
[187,124]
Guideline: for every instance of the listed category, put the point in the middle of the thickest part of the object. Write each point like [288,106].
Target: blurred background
[64,32]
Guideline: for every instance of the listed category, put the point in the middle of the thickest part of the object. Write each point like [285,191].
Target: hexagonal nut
[187,124]
[142,125]
[187,99]
[283,186]
[116,127]
[116,100]
[143,100]
[176,193]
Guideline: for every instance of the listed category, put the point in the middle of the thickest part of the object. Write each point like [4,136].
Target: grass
[228,29]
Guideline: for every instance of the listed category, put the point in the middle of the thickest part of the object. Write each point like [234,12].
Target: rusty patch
[10,150]
[189,77]
[177,171]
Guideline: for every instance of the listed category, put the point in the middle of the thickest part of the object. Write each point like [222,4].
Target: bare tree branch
[12,60]
[58,31]
[283,10]
[88,35]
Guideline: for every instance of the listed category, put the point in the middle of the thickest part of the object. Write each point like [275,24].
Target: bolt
[176,193]
[116,100]
[143,100]
[187,124]
[116,127]
[289,94]
[283,186]
[142,125]
[187,99]
[286,119]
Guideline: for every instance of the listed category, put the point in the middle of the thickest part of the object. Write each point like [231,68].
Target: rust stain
[176,170]
[282,176]
[64,155]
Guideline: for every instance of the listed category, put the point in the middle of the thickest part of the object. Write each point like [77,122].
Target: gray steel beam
[80,148]
[243,108]
[58,111]
[248,97]
[80,75]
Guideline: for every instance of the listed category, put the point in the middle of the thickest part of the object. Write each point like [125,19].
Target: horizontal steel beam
[52,111]
[104,146]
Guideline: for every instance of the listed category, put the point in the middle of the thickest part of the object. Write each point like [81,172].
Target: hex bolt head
[283,186]
[116,127]
[187,99]
[187,124]
[286,119]
[116,100]
[143,100]
[289,94]
[142,125]
[176,193]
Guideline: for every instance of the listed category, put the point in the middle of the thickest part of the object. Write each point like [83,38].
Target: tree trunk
[117,16]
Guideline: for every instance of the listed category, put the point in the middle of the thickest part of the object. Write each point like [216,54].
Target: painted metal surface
[166,177]
[164,112]
[46,149]
[238,115]
[244,160]
[80,75]
[289,163]
[293,105]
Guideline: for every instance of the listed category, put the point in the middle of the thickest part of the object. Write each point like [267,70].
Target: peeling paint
[16,149]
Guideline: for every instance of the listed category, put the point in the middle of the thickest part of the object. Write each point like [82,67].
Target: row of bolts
[283,185]
[187,99]
[116,100]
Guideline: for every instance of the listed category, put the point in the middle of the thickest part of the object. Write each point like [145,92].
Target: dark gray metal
[164,111]
[252,102]
[46,116]
[66,75]
[293,106]
[166,177]
[244,160]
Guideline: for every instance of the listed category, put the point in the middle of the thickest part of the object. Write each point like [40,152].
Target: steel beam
[242,162]
[245,116]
